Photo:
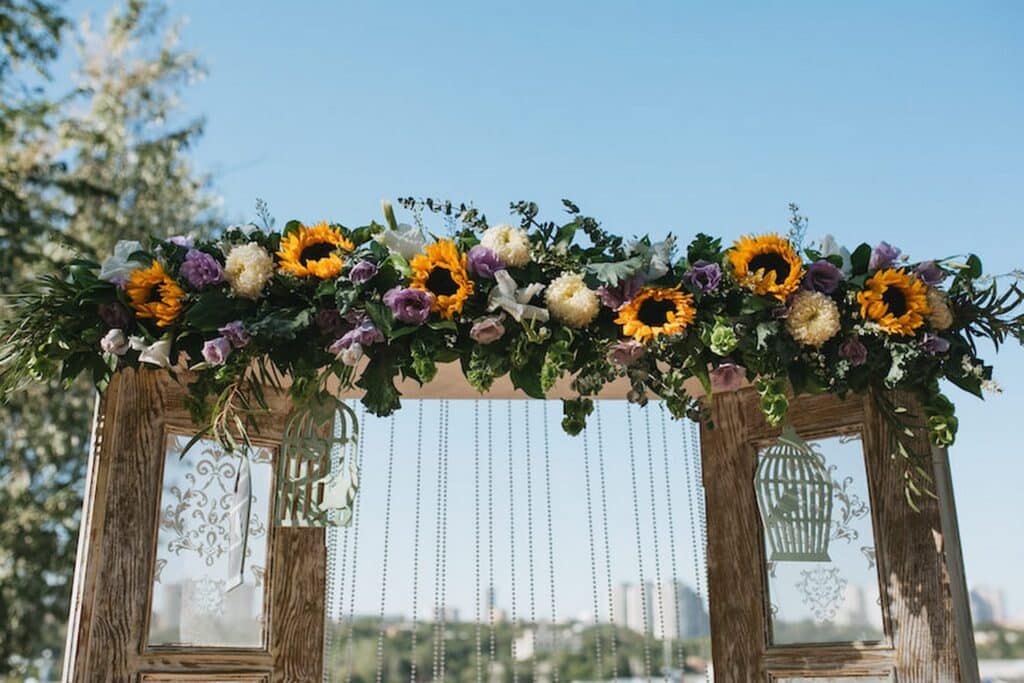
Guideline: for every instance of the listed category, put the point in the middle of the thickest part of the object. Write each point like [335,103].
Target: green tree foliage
[78,171]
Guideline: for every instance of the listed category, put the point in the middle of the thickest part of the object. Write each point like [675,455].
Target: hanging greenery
[537,302]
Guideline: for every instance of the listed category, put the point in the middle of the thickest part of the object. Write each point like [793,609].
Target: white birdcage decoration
[794,494]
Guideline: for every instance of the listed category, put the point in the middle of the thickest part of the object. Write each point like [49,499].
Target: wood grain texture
[114,573]
[917,607]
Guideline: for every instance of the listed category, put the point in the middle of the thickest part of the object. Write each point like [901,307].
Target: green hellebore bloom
[942,429]
[722,340]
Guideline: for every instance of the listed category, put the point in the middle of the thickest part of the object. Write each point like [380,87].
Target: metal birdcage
[794,494]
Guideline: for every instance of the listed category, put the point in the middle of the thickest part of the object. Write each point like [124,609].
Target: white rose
[158,353]
[114,342]
[571,302]
[247,269]
[512,245]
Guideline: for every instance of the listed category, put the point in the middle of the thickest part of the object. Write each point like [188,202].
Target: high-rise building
[633,605]
[682,614]
[988,605]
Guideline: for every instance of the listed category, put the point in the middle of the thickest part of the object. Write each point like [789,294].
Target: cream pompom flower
[571,302]
[247,269]
[939,314]
[813,318]
[512,245]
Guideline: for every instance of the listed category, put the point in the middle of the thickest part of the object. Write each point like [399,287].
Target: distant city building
[681,613]
[448,614]
[631,609]
[857,606]
[544,639]
[988,605]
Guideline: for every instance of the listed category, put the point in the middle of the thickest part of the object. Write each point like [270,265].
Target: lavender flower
[235,333]
[930,273]
[728,376]
[822,277]
[853,351]
[483,261]
[364,334]
[201,269]
[883,256]
[328,321]
[704,276]
[487,331]
[116,315]
[114,342]
[363,272]
[216,351]
[934,344]
[618,296]
[625,352]
[410,306]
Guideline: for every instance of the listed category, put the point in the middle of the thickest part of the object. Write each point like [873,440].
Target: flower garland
[537,302]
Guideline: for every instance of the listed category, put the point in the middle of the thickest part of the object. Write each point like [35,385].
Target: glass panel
[819,542]
[194,604]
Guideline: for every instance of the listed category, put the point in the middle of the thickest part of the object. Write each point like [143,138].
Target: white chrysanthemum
[939,314]
[570,301]
[813,318]
[247,269]
[510,244]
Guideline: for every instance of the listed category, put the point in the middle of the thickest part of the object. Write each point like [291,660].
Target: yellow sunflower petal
[896,300]
[767,265]
[656,311]
[313,251]
[154,295]
[441,270]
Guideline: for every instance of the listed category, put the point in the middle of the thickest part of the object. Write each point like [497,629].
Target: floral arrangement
[536,301]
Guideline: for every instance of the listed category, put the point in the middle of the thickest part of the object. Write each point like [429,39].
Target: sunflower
[896,300]
[313,251]
[766,264]
[656,311]
[442,272]
[153,294]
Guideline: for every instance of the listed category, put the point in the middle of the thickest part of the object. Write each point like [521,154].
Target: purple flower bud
[728,377]
[853,351]
[363,272]
[483,262]
[116,315]
[235,333]
[410,306]
[618,296]
[201,269]
[930,273]
[328,321]
[934,344]
[883,256]
[365,334]
[487,331]
[216,351]
[625,352]
[704,276]
[822,277]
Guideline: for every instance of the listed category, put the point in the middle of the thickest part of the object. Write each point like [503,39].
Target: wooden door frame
[114,570]
[918,555]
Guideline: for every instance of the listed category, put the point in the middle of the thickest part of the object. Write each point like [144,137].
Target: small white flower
[247,269]
[571,302]
[512,245]
[117,266]
[405,240]
[115,342]
[351,355]
[991,386]
[507,296]
[158,353]
[813,318]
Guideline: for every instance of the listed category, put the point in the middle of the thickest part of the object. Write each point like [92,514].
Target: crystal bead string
[551,534]
[440,565]
[356,518]
[599,656]
[334,545]
[639,545]
[492,644]
[680,654]
[512,541]
[476,536]
[435,641]
[529,538]
[659,587]
[387,539]
[416,541]
[702,528]
[446,407]
[607,541]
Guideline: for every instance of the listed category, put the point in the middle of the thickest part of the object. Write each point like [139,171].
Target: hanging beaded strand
[658,587]
[551,538]
[702,528]
[335,571]
[476,536]
[416,541]
[356,517]
[512,541]
[492,644]
[598,655]
[435,640]
[445,407]
[680,654]
[607,541]
[529,539]
[639,546]
[387,539]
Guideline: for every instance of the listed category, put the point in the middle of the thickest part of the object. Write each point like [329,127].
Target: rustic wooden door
[888,601]
[156,599]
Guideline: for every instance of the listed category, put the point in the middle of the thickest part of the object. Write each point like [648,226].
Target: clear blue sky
[900,122]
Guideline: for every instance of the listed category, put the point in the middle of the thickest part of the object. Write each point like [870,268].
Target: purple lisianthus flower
[930,273]
[116,315]
[618,296]
[822,277]
[728,376]
[216,351]
[883,256]
[854,351]
[934,344]
[704,276]
[201,269]
[329,321]
[363,272]
[236,334]
[625,352]
[411,306]
[487,330]
[483,262]
[365,334]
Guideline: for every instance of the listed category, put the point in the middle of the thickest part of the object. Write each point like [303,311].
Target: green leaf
[613,273]
[565,234]
[381,316]
[527,378]
[378,379]
[291,227]
[860,259]
[213,309]
[448,325]
[974,268]
[284,324]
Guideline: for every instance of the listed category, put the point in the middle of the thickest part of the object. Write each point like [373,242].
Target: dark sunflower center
[895,300]
[315,252]
[654,313]
[153,295]
[771,261]
[441,283]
